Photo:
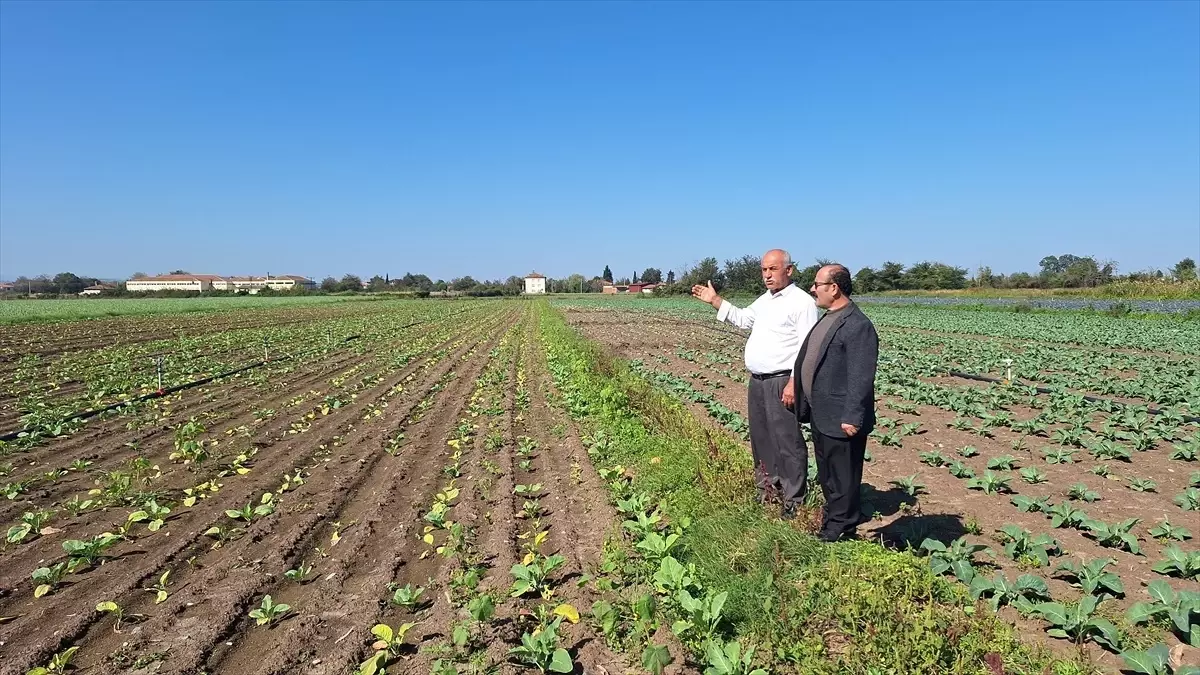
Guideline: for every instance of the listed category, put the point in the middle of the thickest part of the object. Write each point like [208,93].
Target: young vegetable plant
[31,524]
[1182,608]
[1021,594]
[1142,485]
[406,596]
[1081,492]
[152,514]
[1065,514]
[1178,563]
[118,613]
[727,659]
[1033,475]
[702,616]
[1189,499]
[934,459]
[911,485]
[82,554]
[58,663]
[299,573]
[1165,531]
[389,643]
[1059,455]
[967,451]
[990,483]
[1031,504]
[269,611]
[1092,577]
[47,578]
[533,576]
[1155,661]
[1115,535]
[1002,463]
[958,557]
[1077,623]
[160,589]
[1020,544]
[540,650]
[266,506]
[960,470]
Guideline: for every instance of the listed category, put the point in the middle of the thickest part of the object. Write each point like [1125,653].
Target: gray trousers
[776,444]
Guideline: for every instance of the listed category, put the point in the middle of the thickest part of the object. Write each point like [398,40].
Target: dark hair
[839,275]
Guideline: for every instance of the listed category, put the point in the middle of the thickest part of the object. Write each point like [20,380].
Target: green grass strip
[853,607]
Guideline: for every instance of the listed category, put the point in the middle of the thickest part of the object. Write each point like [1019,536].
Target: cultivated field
[471,486]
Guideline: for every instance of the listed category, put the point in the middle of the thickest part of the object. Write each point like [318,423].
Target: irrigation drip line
[1044,390]
[85,414]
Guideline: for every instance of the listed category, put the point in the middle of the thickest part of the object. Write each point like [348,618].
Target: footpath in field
[994,482]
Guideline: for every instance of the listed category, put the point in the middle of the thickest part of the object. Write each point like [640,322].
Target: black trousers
[776,444]
[839,471]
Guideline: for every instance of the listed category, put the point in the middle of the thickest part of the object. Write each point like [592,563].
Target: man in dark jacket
[836,394]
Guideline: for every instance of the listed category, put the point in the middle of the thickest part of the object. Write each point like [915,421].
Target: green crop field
[34,311]
[564,484]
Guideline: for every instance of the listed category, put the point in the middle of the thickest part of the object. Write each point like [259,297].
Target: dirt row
[340,449]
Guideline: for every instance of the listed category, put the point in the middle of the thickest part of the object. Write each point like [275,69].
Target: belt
[768,376]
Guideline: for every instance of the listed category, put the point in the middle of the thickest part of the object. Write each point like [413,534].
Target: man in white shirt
[779,321]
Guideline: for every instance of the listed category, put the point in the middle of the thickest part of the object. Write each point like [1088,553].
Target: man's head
[776,269]
[832,287]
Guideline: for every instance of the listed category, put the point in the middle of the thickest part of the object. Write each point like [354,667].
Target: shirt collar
[783,293]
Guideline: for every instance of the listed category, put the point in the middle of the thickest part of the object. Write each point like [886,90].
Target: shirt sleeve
[742,318]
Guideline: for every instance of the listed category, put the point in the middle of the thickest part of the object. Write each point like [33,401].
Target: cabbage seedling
[407,596]
[58,663]
[31,523]
[48,577]
[269,611]
[298,574]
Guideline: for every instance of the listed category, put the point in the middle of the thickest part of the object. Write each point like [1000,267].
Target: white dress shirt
[778,324]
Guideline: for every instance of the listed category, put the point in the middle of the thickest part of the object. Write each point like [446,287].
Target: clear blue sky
[491,138]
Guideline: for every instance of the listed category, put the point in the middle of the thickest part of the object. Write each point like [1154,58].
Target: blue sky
[491,138]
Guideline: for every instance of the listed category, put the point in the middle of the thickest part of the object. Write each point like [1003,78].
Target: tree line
[736,275]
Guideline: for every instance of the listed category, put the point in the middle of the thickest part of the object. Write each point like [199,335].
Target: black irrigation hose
[1043,390]
[85,414]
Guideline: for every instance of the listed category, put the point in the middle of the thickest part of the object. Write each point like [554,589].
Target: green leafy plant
[269,611]
[58,663]
[1164,531]
[81,554]
[728,659]
[1081,492]
[1178,563]
[1031,504]
[388,643]
[967,451]
[702,615]
[1077,622]
[1155,661]
[960,470]
[1033,475]
[249,512]
[1182,608]
[47,578]
[1115,535]
[152,514]
[934,459]
[540,650]
[1189,499]
[406,596]
[958,557]
[1019,543]
[31,524]
[299,573]
[1142,485]
[990,483]
[1065,514]
[1021,594]
[160,589]
[1092,577]
[1002,463]
[533,576]
[1059,455]
[655,658]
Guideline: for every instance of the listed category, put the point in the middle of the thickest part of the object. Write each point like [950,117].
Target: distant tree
[179,272]
[670,276]
[890,276]
[984,277]
[462,283]
[635,276]
[66,282]
[350,282]
[865,281]
[514,285]
[574,284]
[377,284]
[804,277]
[139,275]
[744,275]
[1184,270]
[703,272]
[651,275]
[329,284]
[934,275]
[607,276]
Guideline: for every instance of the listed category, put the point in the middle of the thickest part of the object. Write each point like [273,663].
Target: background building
[207,282]
[173,282]
[535,283]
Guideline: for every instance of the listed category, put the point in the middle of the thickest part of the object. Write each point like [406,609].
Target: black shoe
[830,538]
[789,512]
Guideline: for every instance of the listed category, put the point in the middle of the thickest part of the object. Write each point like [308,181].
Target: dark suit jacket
[844,380]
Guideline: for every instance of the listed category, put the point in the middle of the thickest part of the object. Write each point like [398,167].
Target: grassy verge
[811,608]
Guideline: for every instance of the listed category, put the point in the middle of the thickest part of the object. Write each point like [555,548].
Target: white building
[535,283]
[173,282]
[96,290]
[255,284]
